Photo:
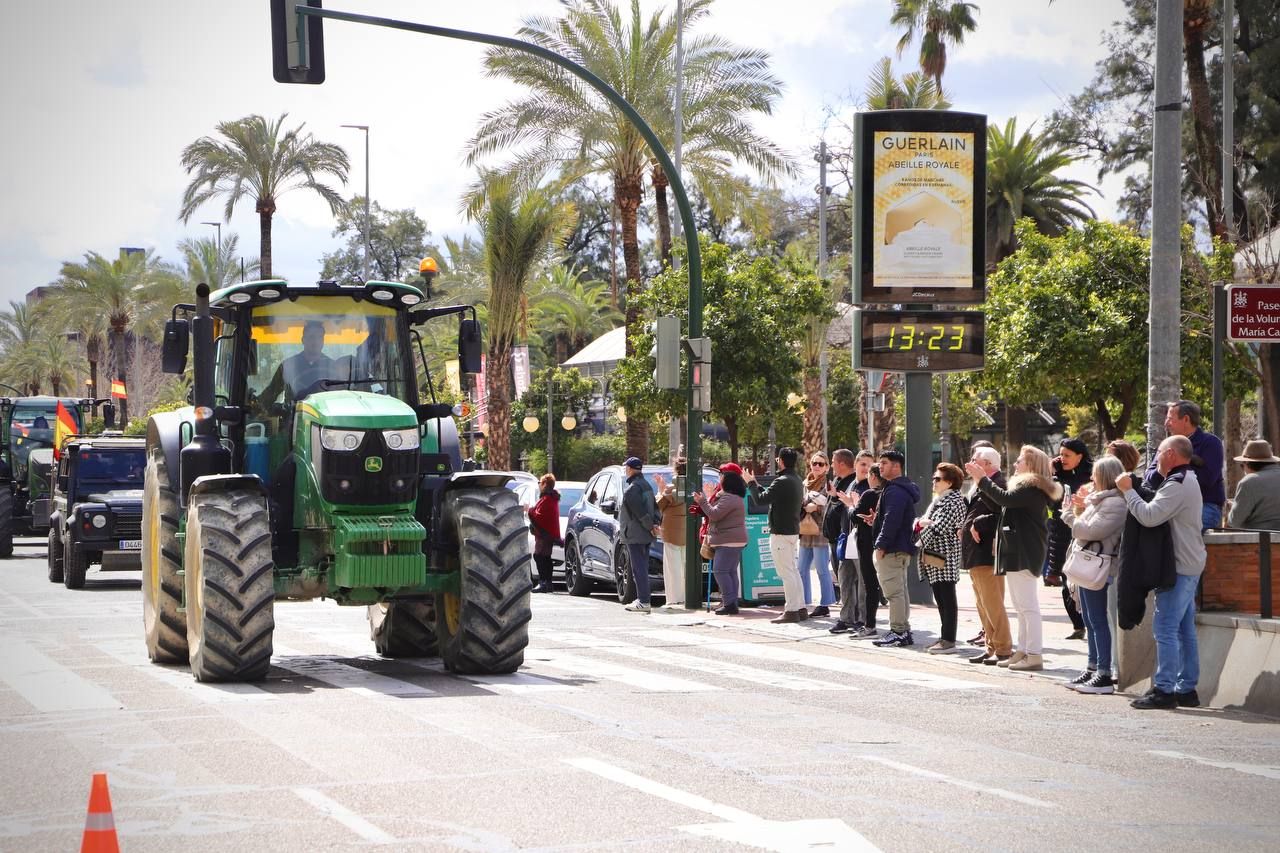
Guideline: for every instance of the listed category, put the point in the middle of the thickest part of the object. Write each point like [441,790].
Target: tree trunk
[498,389]
[1269,357]
[120,362]
[731,426]
[629,192]
[1234,440]
[1015,431]
[92,354]
[1208,171]
[812,437]
[56,383]
[266,208]
[886,422]
[664,214]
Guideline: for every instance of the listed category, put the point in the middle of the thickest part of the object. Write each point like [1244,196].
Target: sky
[99,99]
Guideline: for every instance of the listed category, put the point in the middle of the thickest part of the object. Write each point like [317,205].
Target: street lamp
[531,423]
[217,225]
[365,128]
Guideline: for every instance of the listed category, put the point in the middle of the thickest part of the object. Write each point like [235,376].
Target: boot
[1012,659]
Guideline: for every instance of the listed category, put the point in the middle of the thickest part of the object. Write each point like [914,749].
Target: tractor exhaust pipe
[204,454]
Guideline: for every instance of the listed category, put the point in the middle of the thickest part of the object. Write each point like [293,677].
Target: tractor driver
[301,374]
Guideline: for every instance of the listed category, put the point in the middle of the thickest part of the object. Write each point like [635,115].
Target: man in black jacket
[784,497]
[977,543]
[849,472]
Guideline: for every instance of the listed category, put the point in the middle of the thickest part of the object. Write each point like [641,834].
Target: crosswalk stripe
[724,669]
[786,654]
[593,668]
[351,678]
[132,653]
[47,684]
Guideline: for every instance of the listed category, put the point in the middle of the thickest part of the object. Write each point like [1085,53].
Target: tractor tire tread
[164,621]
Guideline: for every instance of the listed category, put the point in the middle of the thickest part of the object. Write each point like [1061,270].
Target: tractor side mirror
[108,415]
[431,411]
[231,415]
[177,340]
[469,346]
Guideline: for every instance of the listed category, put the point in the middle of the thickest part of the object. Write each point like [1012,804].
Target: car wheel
[578,583]
[624,581]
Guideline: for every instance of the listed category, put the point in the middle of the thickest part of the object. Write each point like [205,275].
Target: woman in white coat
[1096,514]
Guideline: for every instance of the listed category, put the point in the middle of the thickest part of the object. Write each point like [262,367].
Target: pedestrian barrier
[99,823]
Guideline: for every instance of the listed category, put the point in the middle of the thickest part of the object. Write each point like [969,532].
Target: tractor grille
[345,480]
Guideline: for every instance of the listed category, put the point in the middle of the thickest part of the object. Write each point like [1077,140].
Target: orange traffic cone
[99,823]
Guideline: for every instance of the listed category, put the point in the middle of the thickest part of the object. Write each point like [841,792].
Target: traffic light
[700,365]
[297,43]
[666,352]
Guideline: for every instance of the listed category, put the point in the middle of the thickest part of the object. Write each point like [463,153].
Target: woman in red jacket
[544,517]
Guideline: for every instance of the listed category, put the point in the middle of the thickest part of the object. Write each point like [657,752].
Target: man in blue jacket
[894,545]
[1183,418]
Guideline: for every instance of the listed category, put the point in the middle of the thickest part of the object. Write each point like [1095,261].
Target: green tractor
[26,462]
[307,467]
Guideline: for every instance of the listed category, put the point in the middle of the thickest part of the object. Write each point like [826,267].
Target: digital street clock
[919,341]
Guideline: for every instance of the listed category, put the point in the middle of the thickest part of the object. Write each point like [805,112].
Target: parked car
[592,553]
[570,493]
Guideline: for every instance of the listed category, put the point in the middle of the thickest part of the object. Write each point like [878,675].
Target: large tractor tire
[162,615]
[55,555]
[484,629]
[75,565]
[230,589]
[404,629]
[6,521]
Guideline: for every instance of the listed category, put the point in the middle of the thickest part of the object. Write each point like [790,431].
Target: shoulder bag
[1088,569]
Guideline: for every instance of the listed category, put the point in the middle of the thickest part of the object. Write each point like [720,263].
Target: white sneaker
[637,606]
[673,608]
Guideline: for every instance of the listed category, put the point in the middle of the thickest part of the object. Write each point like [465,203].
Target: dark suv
[592,552]
[97,507]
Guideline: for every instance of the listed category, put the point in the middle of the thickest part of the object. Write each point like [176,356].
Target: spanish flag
[63,428]
[117,389]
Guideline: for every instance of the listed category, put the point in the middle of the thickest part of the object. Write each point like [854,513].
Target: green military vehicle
[97,507]
[309,468]
[26,460]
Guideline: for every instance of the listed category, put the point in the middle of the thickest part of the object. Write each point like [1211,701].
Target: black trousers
[871,588]
[944,594]
[543,562]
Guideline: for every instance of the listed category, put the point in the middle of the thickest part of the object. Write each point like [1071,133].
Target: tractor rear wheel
[75,565]
[403,629]
[484,629]
[163,619]
[230,587]
[6,521]
[55,555]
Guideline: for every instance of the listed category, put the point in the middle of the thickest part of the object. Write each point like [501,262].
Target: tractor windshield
[32,428]
[324,343]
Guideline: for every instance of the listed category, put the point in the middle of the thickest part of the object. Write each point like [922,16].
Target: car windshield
[568,497]
[122,468]
[324,343]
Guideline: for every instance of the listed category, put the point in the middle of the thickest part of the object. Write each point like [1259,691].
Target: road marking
[711,667]
[740,826]
[47,684]
[951,780]
[354,679]
[19,603]
[612,672]
[131,653]
[343,815]
[788,654]
[1264,770]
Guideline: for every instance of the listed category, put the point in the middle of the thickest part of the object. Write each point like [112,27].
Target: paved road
[621,732]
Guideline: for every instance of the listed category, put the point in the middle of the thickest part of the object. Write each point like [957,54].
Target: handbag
[707,550]
[809,526]
[932,559]
[1088,569]
[842,544]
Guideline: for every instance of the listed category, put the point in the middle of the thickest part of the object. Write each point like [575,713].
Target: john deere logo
[373,464]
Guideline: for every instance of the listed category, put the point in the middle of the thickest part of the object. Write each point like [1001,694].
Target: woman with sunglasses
[939,529]
[815,550]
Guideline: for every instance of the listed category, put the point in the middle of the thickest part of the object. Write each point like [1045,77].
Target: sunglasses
[816,464]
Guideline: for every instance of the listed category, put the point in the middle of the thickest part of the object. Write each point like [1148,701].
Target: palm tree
[1021,182]
[256,160]
[20,343]
[915,91]
[938,22]
[564,124]
[521,227]
[215,266]
[571,312]
[90,328]
[132,294]
[56,363]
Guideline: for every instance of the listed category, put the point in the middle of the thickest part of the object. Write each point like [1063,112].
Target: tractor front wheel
[403,629]
[484,629]
[163,618]
[230,589]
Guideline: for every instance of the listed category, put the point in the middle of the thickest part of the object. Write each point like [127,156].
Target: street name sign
[1253,314]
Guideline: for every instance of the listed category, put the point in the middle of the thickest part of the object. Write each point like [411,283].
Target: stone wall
[1231,575]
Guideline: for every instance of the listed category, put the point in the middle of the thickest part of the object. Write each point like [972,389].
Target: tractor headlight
[401,439]
[340,439]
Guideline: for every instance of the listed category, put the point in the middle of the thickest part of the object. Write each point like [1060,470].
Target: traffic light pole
[693,443]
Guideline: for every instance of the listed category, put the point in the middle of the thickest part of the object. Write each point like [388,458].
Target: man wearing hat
[1257,501]
[638,519]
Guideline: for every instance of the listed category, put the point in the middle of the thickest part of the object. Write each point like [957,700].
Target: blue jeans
[1174,626]
[819,557]
[724,565]
[639,557]
[1093,606]
[1210,517]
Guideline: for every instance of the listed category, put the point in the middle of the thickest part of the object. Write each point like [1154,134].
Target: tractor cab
[26,441]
